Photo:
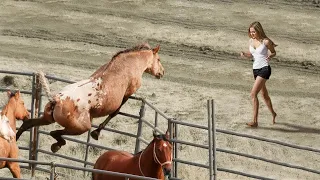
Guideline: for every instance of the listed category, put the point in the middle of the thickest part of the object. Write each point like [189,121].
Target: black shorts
[264,72]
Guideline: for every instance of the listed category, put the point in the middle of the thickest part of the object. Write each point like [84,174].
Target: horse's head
[17,103]
[155,68]
[162,152]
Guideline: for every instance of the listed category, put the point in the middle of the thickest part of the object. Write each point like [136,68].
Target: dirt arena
[200,41]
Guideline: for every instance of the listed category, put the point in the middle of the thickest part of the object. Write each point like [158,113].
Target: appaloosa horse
[155,161]
[102,94]
[14,109]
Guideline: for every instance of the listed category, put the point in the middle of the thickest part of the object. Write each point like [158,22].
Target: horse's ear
[17,94]
[9,93]
[167,134]
[154,133]
[156,49]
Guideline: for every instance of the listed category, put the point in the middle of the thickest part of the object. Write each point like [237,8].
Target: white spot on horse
[5,129]
[84,94]
[165,144]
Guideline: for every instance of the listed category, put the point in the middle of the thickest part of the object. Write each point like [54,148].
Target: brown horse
[102,94]
[155,161]
[14,109]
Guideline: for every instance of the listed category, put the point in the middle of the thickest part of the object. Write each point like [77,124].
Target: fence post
[32,112]
[214,141]
[34,130]
[53,171]
[87,151]
[173,135]
[212,159]
[141,113]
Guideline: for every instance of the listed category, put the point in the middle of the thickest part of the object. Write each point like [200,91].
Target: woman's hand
[246,55]
[271,56]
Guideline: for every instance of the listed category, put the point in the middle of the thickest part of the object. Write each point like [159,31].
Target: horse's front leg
[95,134]
[14,169]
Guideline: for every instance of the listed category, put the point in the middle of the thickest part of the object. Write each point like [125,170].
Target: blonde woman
[261,49]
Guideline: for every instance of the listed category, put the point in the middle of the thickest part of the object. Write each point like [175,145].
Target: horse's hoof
[95,134]
[55,147]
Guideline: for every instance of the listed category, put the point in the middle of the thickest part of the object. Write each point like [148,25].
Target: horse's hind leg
[27,124]
[57,134]
[95,134]
[60,141]
[14,169]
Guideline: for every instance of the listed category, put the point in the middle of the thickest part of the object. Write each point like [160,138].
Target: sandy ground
[200,45]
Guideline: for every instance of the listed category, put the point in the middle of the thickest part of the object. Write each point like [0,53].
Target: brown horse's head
[155,68]
[17,103]
[162,152]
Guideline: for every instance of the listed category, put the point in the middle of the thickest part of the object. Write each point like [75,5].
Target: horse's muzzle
[160,75]
[26,117]
[166,171]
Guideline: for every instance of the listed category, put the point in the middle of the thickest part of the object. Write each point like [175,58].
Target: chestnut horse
[107,89]
[14,109]
[155,161]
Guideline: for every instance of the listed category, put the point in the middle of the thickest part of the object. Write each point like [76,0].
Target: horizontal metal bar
[79,141]
[191,163]
[136,98]
[129,115]
[152,126]
[268,160]
[18,73]
[243,174]
[143,140]
[23,148]
[104,172]
[59,79]
[64,156]
[21,91]
[23,161]
[268,140]
[189,124]
[189,143]
[116,131]
[12,178]
[156,109]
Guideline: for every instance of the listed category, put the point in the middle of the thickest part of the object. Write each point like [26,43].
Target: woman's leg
[267,100]
[257,86]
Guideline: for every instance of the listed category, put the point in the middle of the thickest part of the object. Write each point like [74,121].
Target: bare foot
[274,118]
[252,124]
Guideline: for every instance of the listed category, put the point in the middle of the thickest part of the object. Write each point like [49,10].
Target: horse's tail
[44,82]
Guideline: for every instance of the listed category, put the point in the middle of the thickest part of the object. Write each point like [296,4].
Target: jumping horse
[154,161]
[107,89]
[13,110]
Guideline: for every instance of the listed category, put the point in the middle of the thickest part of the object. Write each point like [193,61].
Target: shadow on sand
[292,128]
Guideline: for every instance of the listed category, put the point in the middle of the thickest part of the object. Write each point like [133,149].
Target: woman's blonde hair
[258,27]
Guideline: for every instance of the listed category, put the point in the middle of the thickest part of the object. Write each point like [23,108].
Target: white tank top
[259,54]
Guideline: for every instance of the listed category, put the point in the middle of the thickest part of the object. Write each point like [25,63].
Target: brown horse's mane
[143,46]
